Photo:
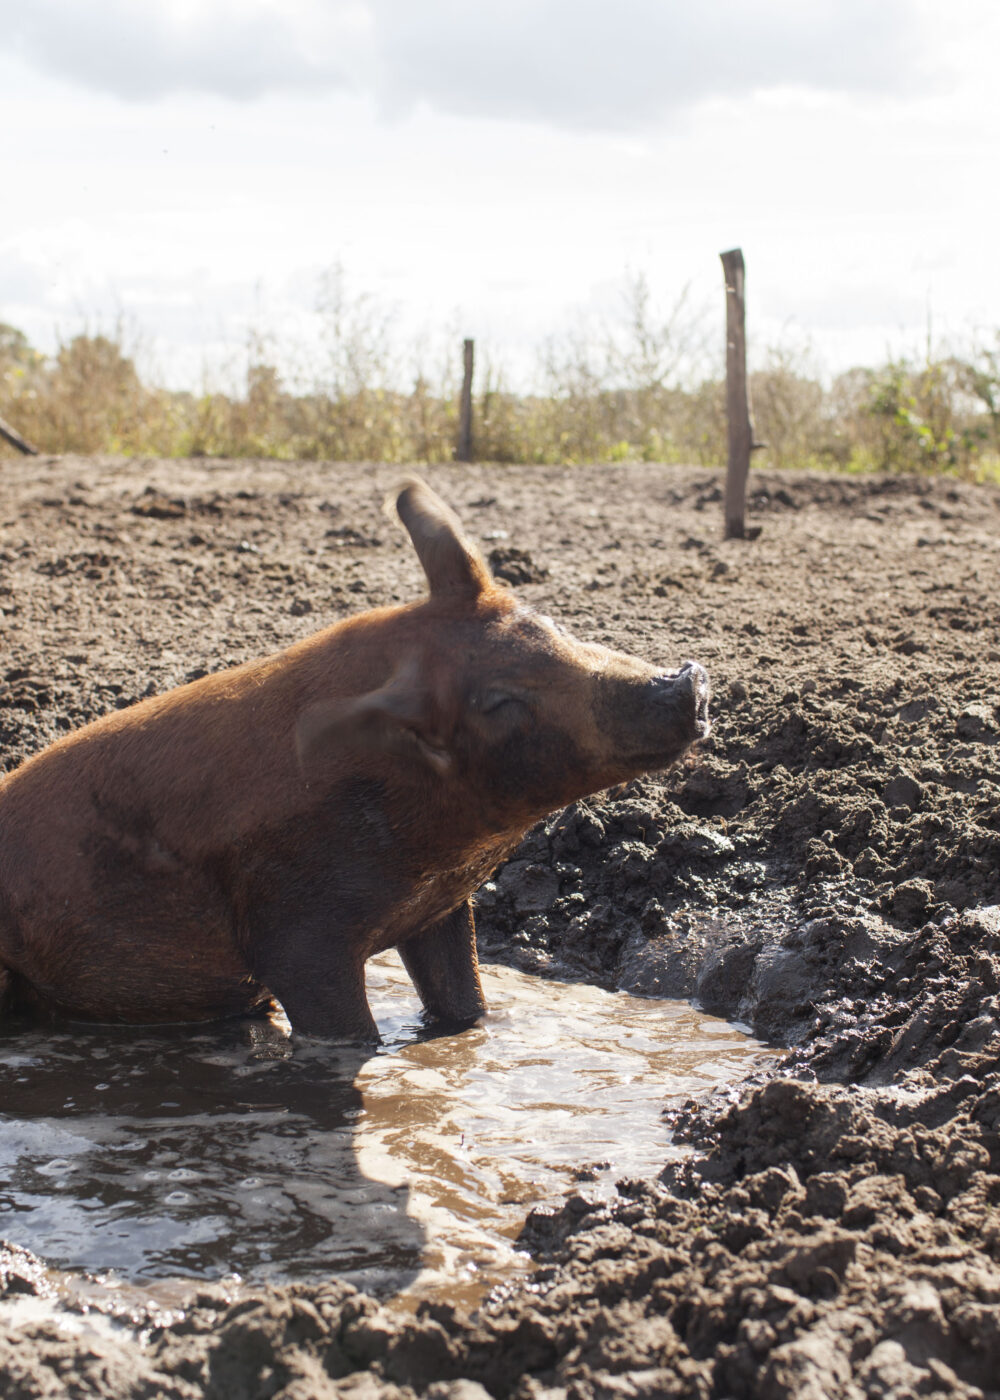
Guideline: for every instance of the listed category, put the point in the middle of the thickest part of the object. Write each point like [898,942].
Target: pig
[258,834]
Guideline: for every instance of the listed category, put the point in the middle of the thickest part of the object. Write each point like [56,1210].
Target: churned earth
[826,869]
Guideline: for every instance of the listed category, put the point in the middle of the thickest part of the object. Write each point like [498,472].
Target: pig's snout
[687,694]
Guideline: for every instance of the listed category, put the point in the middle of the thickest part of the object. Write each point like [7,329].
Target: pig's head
[500,703]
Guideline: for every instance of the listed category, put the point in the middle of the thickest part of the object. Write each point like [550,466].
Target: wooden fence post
[15,439]
[741,439]
[464,452]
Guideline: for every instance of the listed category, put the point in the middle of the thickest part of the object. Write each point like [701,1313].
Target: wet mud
[163,1155]
[826,869]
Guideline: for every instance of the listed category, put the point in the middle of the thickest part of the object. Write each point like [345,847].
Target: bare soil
[826,869]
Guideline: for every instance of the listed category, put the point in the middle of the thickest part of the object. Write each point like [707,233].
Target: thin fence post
[740,426]
[464,452]
[15,439]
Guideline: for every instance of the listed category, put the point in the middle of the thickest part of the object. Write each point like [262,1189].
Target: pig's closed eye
[496,701]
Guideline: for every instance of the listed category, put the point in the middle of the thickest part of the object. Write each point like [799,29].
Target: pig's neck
[440,886]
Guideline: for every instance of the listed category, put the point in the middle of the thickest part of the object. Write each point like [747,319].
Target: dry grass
[643,388]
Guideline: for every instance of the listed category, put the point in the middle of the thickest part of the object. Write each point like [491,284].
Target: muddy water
[229,1150]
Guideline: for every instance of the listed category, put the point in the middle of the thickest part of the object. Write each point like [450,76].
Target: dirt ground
[826,869]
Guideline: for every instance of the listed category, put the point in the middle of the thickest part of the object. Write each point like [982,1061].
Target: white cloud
[147,49]
[570,63]
[532,163]
[594,65]
[22,281]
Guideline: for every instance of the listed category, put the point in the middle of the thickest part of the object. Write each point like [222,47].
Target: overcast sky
[497,169]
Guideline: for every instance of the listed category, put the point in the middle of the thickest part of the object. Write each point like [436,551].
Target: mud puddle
[155,1159]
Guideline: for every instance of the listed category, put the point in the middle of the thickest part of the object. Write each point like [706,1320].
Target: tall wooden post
[464,452]
[15,439]
[741,442]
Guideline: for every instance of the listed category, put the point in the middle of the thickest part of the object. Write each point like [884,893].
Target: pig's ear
[452,563]
[398,718]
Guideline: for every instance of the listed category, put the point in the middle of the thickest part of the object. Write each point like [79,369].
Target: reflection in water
[192,1152]
[206,1151]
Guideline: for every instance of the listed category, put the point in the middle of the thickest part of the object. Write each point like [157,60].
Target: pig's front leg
[318,998]
[442,962]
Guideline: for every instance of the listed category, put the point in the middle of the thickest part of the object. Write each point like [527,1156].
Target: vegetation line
[649,387]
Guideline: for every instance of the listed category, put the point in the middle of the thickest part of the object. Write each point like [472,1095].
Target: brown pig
[262,832]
